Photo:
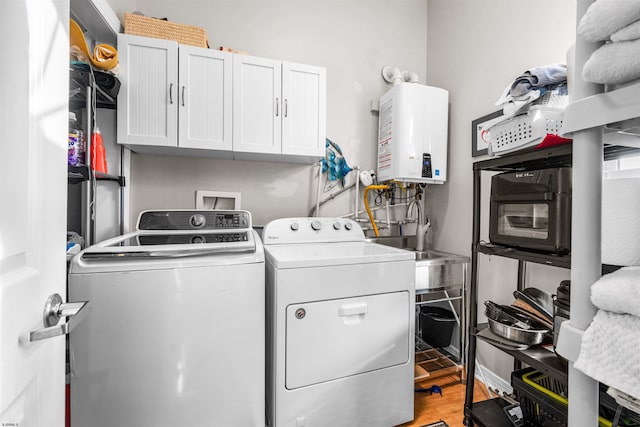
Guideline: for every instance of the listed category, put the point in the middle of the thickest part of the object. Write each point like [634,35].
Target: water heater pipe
[394,75]
[366,204]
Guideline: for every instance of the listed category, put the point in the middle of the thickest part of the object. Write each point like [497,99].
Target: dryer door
[327,340]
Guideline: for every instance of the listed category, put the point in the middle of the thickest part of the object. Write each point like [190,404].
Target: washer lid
[173,244]
[328,254]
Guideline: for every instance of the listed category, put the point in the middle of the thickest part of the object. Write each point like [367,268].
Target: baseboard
[492,380]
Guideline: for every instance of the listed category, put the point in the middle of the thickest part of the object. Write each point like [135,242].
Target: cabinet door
[304,96]
[148,97]
[256,105]
[204,112]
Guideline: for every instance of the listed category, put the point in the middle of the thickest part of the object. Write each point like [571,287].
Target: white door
[364,333]
[304,97]
[257,102]
[204,112]
[33,170]
[148,96]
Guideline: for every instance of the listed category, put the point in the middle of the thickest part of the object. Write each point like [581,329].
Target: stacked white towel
[617,22]
[610,350]
[605,17]
[618,292]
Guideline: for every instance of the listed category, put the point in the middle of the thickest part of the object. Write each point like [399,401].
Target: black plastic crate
[539,408]
[544,401]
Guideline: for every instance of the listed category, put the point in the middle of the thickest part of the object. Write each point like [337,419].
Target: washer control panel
[311,230]
[189,239]
[194,220]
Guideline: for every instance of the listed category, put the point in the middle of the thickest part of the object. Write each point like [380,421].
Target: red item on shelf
[98,155]
[552,140]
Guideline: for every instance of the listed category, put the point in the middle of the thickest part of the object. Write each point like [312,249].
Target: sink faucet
[421,227]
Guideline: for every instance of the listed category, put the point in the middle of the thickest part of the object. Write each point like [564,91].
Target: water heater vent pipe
[394,75]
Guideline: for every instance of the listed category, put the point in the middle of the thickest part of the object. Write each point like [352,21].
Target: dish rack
[544,401]
[524,130]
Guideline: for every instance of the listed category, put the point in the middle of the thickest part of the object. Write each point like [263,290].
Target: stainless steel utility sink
[421,255]
[434,269]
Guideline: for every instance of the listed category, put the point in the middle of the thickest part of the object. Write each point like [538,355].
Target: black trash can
[436,325]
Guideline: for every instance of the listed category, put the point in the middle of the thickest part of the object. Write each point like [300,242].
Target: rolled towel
[613,63]
[618,292]
[610,351]
[628,33]
[605,17]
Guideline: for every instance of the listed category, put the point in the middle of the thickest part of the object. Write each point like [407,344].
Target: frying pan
[538,299]
[511,316]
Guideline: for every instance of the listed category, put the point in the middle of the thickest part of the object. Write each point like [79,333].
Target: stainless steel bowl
[513,333]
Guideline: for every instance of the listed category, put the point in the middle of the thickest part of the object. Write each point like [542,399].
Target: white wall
[353,39]
[475,49]
[119,7]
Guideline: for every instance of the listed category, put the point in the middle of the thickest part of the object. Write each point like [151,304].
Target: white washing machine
[340,326]
[175,335]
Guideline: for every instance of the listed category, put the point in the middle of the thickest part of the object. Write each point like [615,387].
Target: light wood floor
[448,408]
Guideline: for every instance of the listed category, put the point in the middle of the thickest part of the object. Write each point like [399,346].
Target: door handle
[183,95]
[352,309]
[286,108]
[170,93]
[277,107]
[54,309]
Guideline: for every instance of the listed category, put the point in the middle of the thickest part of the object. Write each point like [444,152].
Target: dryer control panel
[312,230]
[201,219]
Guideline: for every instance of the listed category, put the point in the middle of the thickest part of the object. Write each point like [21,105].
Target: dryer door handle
[352,309]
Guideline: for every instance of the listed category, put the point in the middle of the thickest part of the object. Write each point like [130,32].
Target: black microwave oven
[532,210]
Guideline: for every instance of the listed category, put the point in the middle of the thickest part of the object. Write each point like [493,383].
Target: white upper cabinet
[279,110]
[186,100]
[147,101]
[173,95]
[204,119]
[256,105]
[304,109]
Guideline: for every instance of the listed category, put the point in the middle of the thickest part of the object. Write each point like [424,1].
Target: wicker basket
[151,27]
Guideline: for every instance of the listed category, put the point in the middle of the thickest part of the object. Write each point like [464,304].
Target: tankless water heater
[412,134]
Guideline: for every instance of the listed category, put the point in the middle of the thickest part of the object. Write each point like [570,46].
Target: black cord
[379,198]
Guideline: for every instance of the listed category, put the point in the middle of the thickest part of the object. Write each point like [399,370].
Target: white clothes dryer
[340,326]
[175,335]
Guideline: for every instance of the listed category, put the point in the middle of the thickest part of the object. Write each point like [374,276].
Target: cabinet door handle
[277,107]
[183,95]
[286,107]
[170,93]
